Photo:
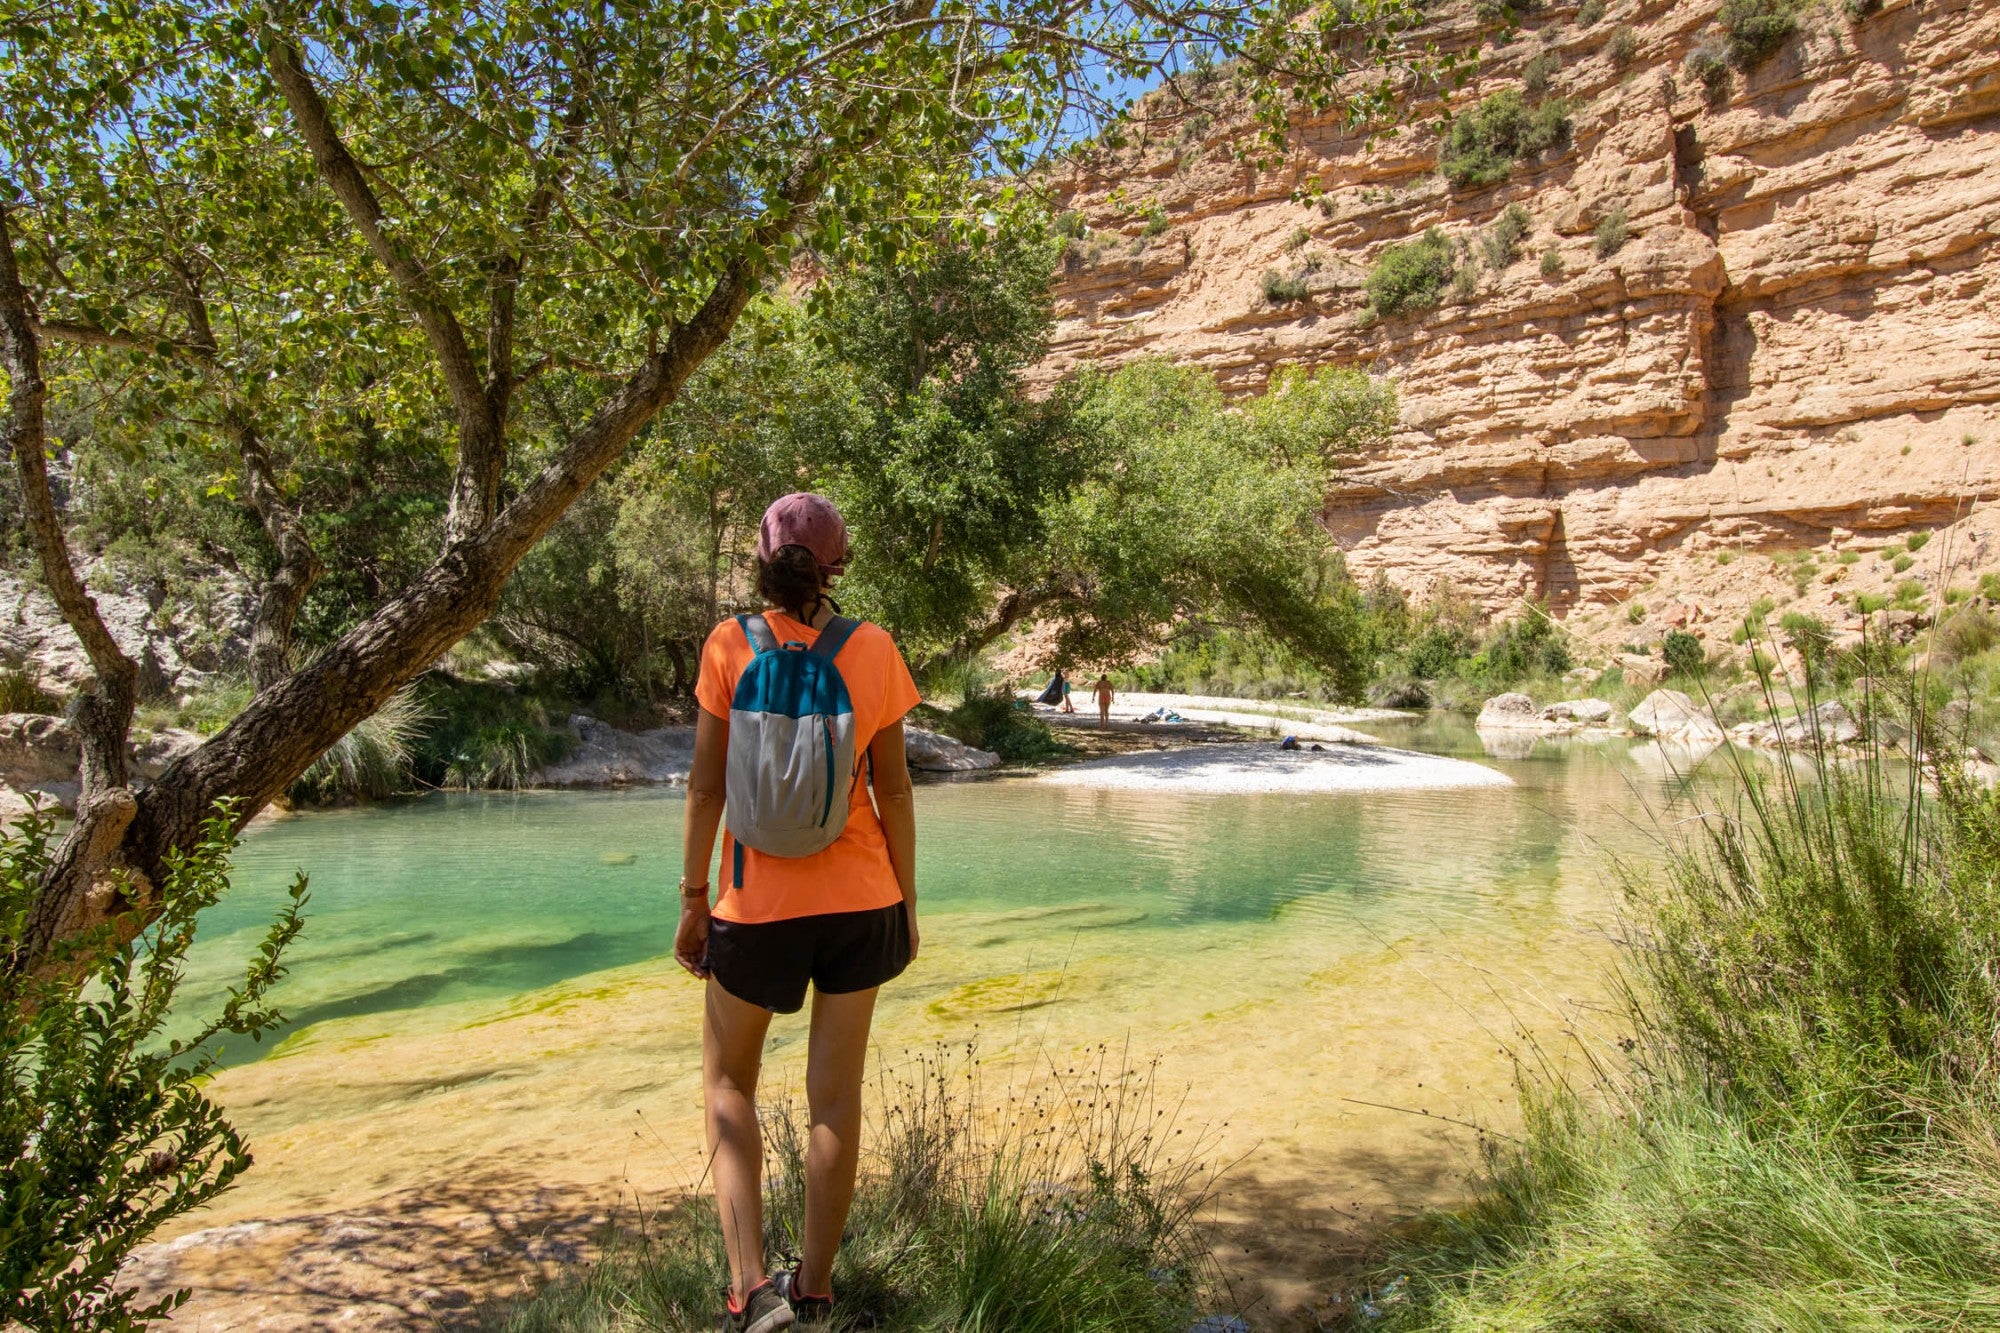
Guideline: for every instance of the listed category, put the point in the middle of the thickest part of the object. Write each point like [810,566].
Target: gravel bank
[1263,767]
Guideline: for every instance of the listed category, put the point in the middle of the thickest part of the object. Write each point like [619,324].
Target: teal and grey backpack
[791,764]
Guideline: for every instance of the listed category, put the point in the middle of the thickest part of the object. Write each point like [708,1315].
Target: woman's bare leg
[835,1059]
[732,1049]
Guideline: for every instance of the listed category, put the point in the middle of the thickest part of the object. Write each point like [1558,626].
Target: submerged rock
[935,753]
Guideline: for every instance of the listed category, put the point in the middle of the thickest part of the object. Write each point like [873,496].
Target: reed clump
[1803,1127]
[1073,1209]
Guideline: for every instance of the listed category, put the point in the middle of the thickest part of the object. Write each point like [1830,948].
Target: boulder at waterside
[604,756]
[1671,716]
[1505,711]
[1588,712]
[933,753]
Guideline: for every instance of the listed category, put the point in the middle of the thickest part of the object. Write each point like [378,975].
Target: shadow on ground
[446,1257]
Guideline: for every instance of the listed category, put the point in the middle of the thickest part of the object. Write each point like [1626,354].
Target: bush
[1064,1213]
[1502,243]
[1411,276]
[1504,13]
[105,1134]
[1966,633]
[999,723]
[1862,9]
[1756,29]
[1813,640]
[21,692]
[1483,143]
[1708,65]
[1530,646]
[1612,232]
[1589,12]
[1283,288]
[1298,240]
[1683,654]
[1552,262]
[1917,541]
[1623,47]
[1156,223]
[1540,72]
[478,736]
[1071,226]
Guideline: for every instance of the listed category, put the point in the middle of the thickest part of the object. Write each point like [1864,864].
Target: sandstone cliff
[1797,350]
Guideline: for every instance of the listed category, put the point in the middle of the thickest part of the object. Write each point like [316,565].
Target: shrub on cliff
[1283,288]
[1483,143]
[1539,74]
[1502,243]
[1623,47]
[1708,65]
[1756,29]
[1612,232]
[1411,276]
[105,1132]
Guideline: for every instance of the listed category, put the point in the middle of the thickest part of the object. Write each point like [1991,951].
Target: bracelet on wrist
[694,892]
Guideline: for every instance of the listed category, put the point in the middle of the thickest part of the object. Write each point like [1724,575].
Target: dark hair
[790,580]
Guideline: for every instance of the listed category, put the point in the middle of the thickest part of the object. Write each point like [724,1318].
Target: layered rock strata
[1796,346]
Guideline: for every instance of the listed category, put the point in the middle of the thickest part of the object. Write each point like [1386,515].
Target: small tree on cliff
[504,231]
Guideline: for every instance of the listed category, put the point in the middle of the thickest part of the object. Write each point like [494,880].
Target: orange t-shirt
[854,874]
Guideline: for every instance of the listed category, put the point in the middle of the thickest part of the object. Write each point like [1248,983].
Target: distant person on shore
[819,885]
[1104,697]
[1067,706]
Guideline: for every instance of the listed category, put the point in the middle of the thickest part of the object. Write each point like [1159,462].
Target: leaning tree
[257,235]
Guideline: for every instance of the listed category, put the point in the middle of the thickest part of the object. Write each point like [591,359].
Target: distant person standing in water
[1104,697]
[774,688]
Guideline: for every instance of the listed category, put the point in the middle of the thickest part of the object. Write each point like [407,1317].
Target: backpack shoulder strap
[758,631]
[834,636]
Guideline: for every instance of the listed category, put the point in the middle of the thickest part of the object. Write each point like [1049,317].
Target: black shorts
[768,963]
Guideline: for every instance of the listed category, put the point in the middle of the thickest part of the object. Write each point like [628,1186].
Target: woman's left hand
[691,940]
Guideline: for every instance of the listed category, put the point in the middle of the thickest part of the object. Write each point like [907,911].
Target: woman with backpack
[801,714]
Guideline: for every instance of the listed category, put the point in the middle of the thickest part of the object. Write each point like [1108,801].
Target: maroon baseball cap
[808,520]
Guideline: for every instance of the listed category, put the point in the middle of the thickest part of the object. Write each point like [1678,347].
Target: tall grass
[370,762]
[1803,1130]
[1073,1211]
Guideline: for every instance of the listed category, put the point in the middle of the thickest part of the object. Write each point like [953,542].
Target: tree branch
[299,565]
[475,491]
[104,713]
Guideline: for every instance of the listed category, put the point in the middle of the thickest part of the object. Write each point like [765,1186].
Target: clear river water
[482,1006]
